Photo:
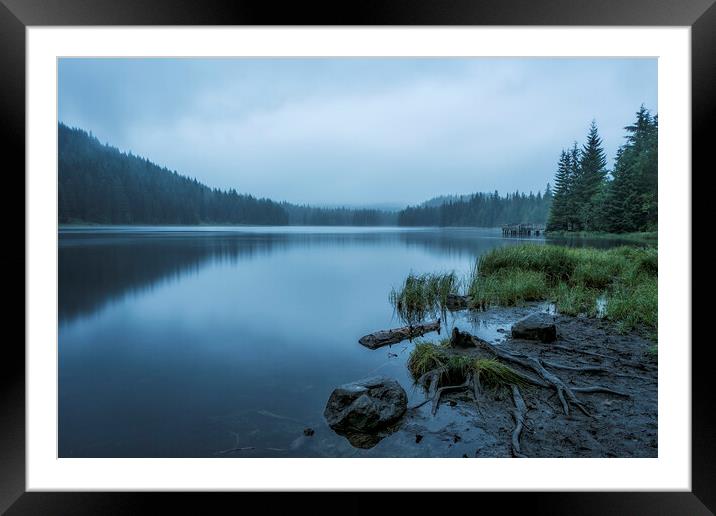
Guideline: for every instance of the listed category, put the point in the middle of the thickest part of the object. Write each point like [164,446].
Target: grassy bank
[623,278]
[647,237]
[618,284]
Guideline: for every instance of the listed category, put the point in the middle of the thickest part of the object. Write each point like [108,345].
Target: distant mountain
[100,184]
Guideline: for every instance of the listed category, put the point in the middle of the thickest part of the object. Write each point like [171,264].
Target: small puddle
[601,306]
[493,324]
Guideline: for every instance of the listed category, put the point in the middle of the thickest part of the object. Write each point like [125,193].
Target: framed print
[415,250]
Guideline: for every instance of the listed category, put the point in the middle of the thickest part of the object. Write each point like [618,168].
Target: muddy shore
[617,426]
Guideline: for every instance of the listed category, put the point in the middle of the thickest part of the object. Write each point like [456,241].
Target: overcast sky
[356,131]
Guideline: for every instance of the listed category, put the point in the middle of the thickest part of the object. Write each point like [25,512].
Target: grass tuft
[427,356]
[423,295]
[494,373]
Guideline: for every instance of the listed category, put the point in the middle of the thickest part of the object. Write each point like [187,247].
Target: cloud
[359,131]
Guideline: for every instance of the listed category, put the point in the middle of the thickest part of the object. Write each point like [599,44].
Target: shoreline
[613,414]
[646,236]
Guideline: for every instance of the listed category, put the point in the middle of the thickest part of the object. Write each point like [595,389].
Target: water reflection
[187,342]
[99,266]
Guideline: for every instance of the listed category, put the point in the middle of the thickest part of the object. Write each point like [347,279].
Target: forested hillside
[313,216]
[481,210]
[587,197]
[100,184]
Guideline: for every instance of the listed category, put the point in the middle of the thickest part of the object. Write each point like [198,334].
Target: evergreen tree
[480,210]
[587,198]
[98,183]
[573,198]
[633,193]
[592,176]
[559,214]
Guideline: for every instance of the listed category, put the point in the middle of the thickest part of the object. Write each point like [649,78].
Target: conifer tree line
[481,210]
[100,184]
[588,197]
[301,215]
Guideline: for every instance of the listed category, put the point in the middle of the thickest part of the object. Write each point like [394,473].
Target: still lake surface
[187,342]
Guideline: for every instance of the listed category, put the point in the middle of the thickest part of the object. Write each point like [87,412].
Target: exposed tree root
[519,415]
[565,394]
[531,370]
[446,388]
[590,369]
[477,391]
[430,382]
[627,363]
[599,388]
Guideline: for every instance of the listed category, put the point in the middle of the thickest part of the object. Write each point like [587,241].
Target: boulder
[367,405]
[537,326]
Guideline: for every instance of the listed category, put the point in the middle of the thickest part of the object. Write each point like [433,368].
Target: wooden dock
[522,230]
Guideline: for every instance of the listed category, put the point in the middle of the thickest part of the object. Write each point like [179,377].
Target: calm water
[190,341]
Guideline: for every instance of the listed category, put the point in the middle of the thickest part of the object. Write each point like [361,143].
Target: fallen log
[386,337]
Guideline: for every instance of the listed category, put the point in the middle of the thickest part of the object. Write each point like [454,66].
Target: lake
[191,341]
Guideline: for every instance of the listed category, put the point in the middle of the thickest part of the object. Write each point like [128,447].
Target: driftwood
[386,337]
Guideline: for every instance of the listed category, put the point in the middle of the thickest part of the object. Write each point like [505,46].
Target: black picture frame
[16,15]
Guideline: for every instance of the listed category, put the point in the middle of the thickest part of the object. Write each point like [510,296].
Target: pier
[522,230]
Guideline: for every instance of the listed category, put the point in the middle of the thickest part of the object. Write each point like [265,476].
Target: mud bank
[587,352]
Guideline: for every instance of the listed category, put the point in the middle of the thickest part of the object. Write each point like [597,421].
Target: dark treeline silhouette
[100,184]
[481,210]
[587,197]
[312,216]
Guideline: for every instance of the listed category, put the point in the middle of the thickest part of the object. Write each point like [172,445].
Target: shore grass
[508,287]
[575,279]
[423,295]
[427,357]
[644,236]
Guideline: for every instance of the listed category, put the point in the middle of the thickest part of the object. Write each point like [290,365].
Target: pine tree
[592,176]
[633,193]
[559,213]
[573,199]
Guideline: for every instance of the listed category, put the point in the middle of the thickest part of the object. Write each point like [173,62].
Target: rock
[537,326]
[418,438]
[368,440]
[366,405]
[308,432]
